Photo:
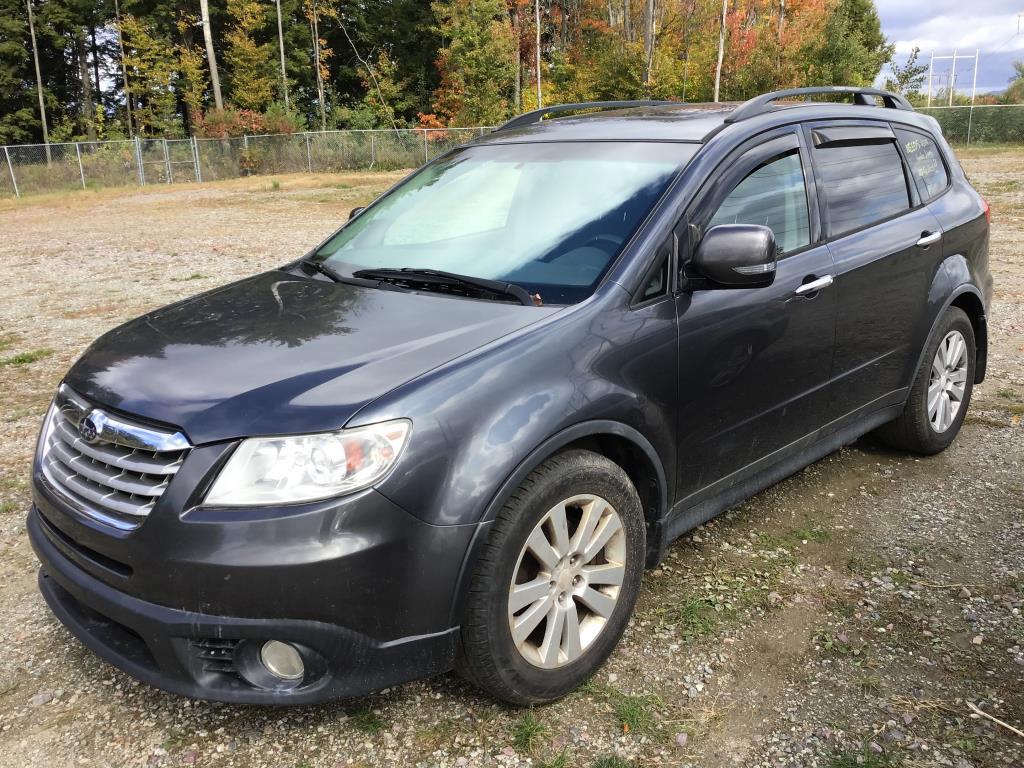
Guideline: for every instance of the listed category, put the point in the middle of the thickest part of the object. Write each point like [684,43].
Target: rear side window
[925,163]
[773,196]
[863,183]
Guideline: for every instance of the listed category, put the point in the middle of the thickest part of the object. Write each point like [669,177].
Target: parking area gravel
[866,611]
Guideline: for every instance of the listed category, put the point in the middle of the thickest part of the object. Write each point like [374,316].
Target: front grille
[118,475]
[215,654]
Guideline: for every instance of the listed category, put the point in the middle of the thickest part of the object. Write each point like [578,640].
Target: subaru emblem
[88,430]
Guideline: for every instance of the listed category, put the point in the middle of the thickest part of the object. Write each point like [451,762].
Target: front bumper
[213,654]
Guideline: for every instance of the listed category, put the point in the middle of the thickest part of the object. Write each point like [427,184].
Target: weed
[527,731]
[562,761]
[612,761]
[367,721]
[693,616]
[865,758]
[24,358]
[635,713]
[1008,393]
[275,186]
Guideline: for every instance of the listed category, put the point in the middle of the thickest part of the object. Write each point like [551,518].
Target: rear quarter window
[925,162]
[863,183]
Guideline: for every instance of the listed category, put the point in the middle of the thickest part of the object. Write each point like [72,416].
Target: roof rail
[761,104]
[537,115]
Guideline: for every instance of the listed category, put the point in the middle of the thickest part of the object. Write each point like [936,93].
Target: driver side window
[772,195]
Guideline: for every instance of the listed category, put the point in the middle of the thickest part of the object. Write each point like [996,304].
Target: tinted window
[863,183]
[774,196]
[925,163]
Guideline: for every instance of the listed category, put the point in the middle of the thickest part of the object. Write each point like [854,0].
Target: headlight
[287,470]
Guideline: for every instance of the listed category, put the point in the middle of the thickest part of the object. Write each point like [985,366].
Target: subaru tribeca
[455,433]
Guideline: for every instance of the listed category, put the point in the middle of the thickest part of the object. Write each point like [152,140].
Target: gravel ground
[850,615]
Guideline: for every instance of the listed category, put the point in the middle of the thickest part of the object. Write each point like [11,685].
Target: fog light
[282,660]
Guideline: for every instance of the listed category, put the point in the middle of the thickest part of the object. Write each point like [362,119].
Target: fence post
[970,119]
[373,150]
[309,157]
[195,156]
[426,147]
[81,171]
[10,168]
[138,161]
[167,162]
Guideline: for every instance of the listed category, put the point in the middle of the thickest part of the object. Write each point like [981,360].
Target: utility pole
[952,79]
[39,79]
[211,57]
[280,40]
[721,48]
[124,70]
[931,70]
[536,20]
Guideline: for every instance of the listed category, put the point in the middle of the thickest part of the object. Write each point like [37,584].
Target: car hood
[281,354]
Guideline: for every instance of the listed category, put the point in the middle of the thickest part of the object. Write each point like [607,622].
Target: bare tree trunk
[517,94]
[648,44]
[211,57]
[124,70]
[280,41]
[96,65]
[782,22]
[88,109]
[540,95]
[627,21]
[721,49]
[314,28]
[39,80]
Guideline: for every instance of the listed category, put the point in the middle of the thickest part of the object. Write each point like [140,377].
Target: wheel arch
[618,442]
[969,300]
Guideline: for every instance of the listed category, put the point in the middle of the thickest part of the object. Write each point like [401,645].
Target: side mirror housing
[737,256]
[355,212]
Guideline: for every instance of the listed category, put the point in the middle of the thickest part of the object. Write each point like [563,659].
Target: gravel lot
[847,616]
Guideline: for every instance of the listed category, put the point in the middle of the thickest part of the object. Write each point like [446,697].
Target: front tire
[941,392]
[557,581]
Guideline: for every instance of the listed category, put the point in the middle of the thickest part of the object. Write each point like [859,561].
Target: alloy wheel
[947,382]
[567,581]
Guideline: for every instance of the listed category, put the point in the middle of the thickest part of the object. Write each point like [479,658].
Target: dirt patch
[843,617]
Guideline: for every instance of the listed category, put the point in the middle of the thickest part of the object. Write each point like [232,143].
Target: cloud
[989,26]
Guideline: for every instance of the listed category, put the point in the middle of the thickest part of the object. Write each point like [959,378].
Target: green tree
[152,70]
[1014,93]
[477,65]
[251,75]
[19,112]
[851,49]
[909,78]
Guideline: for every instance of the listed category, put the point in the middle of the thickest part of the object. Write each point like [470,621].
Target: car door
[754,363]
[884,243]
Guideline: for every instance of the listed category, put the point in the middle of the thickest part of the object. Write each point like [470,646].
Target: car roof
[684,122]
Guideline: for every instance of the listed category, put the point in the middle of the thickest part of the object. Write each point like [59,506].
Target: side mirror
[737,256]
[355,212]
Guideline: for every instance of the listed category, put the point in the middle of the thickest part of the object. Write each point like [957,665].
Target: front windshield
[550,217]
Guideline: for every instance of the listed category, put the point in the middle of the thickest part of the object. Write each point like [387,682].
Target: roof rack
[539,114]
[761,104]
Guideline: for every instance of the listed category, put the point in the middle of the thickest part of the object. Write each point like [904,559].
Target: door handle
[927,238]
[814,286]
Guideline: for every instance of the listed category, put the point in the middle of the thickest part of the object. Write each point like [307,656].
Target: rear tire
[941,392]
[545,610]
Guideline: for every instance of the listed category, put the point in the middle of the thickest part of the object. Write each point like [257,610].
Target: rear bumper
[215,657]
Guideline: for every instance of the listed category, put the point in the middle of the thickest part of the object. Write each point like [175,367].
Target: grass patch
[865,758]
[612,761]
[527,732]
[693,617]
[636,713]
[367,721]
[560,761]
[1008,393]
[24,358]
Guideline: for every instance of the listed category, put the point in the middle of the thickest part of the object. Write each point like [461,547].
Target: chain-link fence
[980,124]
[35,168]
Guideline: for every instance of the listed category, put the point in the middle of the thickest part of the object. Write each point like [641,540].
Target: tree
[250,64]
[476,65]
[851,49]
[1014,93]
[909,78]
[152,67]
[211,56]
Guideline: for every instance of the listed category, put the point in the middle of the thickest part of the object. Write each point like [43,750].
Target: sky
[942,25]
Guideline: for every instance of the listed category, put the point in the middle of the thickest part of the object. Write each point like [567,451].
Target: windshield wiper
[323,269]
[437,277]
